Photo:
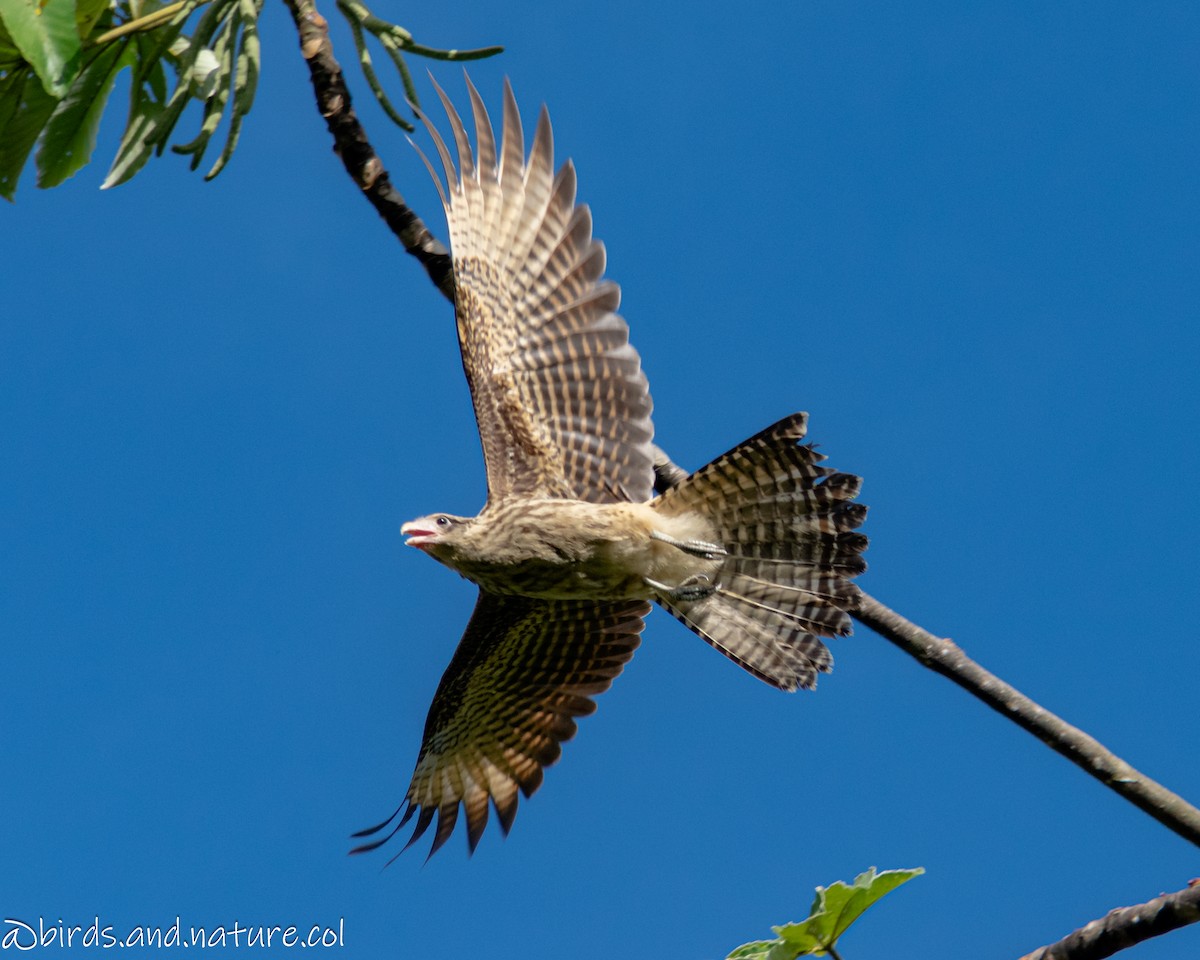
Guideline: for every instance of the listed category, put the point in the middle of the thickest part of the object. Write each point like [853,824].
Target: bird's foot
[693,588]
[698,548]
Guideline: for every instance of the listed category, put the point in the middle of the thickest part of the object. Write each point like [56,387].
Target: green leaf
[206,74]
[155,44]
[20,125]
[834,909]
[87,12]
[11,87]
[245,82]
[141,134]
[839,905]
[757,950]
[10,56]
[47,37]
[70,135]
[152,113]
[156,80]
[214,107]
[212,22]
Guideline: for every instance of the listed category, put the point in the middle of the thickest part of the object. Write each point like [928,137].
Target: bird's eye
[443,521]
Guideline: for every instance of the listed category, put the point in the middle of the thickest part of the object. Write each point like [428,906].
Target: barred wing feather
[562,404]
[523,671]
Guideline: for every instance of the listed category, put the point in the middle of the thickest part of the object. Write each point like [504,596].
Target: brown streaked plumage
[753,552]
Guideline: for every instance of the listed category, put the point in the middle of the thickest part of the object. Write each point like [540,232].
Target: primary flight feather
[753,552]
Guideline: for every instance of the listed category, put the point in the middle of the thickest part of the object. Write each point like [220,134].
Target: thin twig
[357,13]
[1126,926]
[150,21]
[358,156]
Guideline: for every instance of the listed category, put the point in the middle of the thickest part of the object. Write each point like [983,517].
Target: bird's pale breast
[569,549]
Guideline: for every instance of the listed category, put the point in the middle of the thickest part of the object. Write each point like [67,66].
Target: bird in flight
[754,552]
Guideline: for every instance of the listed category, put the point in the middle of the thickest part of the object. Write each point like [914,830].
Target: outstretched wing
[560,397]
[522,672]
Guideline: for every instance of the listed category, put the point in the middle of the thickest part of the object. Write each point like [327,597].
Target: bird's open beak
[418,536]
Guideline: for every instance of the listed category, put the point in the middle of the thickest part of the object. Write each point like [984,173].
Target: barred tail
[788,525]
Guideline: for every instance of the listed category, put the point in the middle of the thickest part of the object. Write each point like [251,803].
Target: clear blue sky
[964,237]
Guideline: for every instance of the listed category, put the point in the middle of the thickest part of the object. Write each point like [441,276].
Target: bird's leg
[667,473]
[693,588]
[698,548]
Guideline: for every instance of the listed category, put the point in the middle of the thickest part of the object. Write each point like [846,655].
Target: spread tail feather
[788,528]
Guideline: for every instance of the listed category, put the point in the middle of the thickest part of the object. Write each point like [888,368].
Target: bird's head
[436,534]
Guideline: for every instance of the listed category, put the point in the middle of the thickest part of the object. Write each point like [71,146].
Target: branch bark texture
[947,658]
[358,156]
[1126,926]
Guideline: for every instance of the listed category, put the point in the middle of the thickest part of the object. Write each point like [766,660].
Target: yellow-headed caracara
[754,552]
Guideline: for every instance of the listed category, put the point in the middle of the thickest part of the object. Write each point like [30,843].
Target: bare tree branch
[1087,753]
[946,657]
[1125,927]
[358,156]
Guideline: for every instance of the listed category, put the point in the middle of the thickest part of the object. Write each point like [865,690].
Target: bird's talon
[693,588]
[699,548]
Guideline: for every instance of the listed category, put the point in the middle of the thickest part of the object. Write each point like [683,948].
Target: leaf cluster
[59,61]
[395,42]
[833,910]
